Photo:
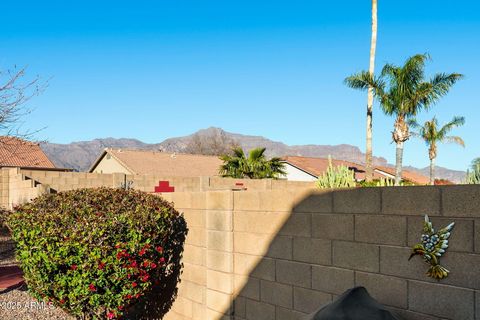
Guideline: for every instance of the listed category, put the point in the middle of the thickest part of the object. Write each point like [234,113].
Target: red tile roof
[317,166]
[15,152]
[406,175]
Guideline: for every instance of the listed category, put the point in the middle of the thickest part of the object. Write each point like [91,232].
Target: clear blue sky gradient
[157,69]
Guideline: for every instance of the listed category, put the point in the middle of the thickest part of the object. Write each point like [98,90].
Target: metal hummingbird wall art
[432,246]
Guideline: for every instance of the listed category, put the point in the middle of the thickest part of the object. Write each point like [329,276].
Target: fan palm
[403,92]
[255,166]
[432,134]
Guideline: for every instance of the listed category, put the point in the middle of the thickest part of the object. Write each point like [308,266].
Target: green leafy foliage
[98,252]
[473,176]
[336,177]
[382,182]
[255,166]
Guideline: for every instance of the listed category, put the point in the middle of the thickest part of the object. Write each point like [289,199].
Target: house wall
[109,164]
[281,254]
[295,174]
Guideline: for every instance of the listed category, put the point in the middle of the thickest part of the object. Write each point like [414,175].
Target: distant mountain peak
[80,155]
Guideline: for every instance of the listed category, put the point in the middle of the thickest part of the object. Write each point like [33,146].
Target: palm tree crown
[255,166]
[403,92]
[431,133]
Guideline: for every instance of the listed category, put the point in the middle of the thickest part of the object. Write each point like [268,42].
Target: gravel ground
[18,304]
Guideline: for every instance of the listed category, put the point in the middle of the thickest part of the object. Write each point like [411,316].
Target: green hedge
[98,252]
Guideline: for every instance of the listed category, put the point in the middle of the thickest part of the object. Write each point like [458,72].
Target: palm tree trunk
[398,163]
[373,46]
[432,171]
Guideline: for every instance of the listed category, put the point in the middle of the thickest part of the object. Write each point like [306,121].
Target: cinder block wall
[61,181]
[281,254]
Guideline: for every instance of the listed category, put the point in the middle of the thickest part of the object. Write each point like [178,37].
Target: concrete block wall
[281,254]
[16,189]
[61,181]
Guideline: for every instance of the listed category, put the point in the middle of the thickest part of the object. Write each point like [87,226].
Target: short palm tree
[432,134]
[403,92]
[255,166]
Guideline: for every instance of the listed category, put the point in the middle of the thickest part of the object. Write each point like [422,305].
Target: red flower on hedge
[122,254]
[145,278]
[91,287]
[73,267]
[153,265]
[159,249]
[120,307]
[162,260]
[129,296]
[141,252]
[62,301]
[133,264]
[110,315]
[101,265]
[134,284]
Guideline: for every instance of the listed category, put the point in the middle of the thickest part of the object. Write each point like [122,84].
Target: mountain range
[81,155]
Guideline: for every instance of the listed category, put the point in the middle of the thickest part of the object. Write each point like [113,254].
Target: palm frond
[456,122]
[454,139]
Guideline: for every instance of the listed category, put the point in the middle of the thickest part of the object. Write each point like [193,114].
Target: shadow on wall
[332,241]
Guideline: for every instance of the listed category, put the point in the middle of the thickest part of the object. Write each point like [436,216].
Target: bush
[336,177]
[98,252]
[382,182]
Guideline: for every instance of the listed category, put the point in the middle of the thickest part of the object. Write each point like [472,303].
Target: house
[156,163]
[310,168]
[19,153]
[409,176]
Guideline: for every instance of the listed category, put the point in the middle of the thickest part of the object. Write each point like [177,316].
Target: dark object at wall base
[353,304]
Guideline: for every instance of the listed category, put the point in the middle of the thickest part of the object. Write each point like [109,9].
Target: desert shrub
[336,177]
[98,252]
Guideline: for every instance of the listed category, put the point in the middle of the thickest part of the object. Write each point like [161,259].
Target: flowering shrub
[97,252]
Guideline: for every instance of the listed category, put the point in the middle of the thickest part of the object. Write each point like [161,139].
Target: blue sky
[156,69]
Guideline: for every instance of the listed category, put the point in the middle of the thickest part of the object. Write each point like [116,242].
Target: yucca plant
[336,177]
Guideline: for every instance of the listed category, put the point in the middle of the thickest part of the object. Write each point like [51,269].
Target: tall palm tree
[371,70]
[255,166]
[432,134]
[403,92]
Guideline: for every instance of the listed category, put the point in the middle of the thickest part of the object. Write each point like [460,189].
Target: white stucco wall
[295,174]
[110,166]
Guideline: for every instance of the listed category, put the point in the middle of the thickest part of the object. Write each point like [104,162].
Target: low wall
[281,254]
[19,186]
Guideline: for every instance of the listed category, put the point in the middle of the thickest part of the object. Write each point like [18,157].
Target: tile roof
[406,175]
[15,152]
[317,166]
[166,164]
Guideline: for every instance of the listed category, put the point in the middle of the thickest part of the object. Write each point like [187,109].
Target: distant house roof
[15,152]
[317,166]
[163,164]
[406,175]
